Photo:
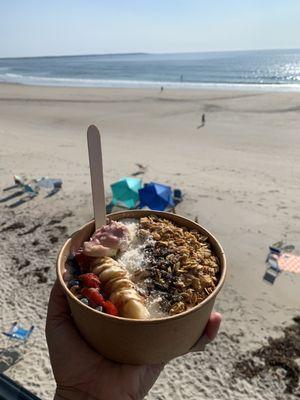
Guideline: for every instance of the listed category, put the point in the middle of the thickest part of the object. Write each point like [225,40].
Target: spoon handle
[96,169]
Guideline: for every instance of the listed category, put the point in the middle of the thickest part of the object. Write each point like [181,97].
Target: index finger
[58,308]
[210,332]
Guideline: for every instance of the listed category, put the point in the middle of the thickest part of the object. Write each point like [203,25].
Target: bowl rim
[118,319]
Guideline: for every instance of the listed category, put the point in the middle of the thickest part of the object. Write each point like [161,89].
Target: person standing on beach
[203,119]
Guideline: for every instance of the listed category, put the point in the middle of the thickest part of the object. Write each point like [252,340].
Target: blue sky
[57,27]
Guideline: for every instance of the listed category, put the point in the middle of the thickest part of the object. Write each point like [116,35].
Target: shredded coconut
[153,306]
[131,255]
[133,258]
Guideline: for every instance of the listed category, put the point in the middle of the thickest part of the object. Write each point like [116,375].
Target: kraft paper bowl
[140,341]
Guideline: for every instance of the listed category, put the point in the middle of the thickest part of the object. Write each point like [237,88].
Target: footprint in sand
[13,227]
[30,230]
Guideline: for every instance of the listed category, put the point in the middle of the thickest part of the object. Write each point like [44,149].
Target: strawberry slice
[90,280]
[110,308]
[93,295]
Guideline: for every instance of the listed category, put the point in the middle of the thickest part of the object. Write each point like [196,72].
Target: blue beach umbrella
[126,192]
[156,196]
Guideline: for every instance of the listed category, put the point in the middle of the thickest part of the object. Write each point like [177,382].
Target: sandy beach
[240,175]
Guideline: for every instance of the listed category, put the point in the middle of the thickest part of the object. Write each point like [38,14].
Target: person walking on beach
[202,121]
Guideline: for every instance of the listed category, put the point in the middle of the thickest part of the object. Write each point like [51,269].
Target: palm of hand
[78,367]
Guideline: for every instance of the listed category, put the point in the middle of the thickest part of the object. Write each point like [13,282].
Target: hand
[81,373]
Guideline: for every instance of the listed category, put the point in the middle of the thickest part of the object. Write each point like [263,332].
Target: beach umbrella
[126,192]
[156,196]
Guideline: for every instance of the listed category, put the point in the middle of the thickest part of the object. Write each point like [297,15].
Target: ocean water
[264,69]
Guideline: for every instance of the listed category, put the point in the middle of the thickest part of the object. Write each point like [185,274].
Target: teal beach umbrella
[126,192]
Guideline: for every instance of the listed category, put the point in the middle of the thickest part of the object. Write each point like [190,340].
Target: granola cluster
[179,263]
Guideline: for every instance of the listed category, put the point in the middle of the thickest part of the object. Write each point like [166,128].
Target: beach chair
[273,269]
[270,276]
[17,332]
[30,190]
[281,259]
[49,183]
[177,196]
[272,260]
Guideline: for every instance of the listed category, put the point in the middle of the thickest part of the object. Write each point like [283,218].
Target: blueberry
[75,268]
[71,257]
[99,308]
[85,301]
[73,282]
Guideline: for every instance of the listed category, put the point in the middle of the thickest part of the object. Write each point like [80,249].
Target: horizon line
[138,53]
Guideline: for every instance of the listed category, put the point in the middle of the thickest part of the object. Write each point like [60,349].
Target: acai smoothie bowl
[141,288]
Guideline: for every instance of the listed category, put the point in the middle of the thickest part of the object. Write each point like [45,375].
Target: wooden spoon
[96,169]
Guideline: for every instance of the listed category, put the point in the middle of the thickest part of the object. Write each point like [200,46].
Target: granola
[180,263]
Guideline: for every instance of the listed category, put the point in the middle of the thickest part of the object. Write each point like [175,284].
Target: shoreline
[144,85]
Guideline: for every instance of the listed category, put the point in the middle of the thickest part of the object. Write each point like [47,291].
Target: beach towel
[17,332]
[289,263]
